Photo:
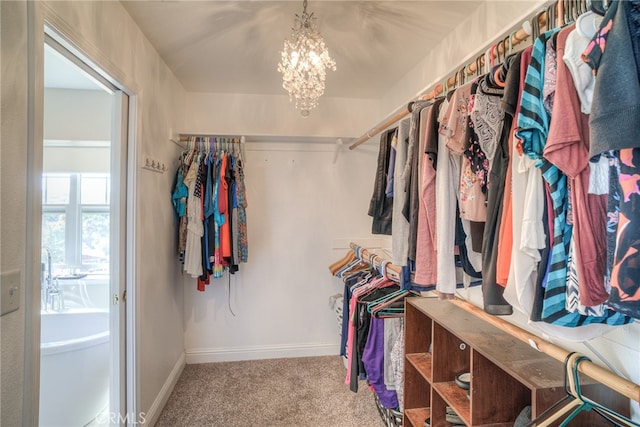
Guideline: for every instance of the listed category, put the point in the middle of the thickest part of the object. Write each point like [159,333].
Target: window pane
[95,238]
[56,190]
[53,233]
[94,190]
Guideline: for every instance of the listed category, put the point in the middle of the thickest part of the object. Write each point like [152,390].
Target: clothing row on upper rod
[210,200]
[372,320]
[209,144]
[558,14]
[533,167]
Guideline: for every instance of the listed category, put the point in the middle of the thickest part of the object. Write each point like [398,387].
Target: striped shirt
[533,128]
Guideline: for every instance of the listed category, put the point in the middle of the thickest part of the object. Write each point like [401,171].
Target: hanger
[567,16]
[587,404]
[574,402]
[357,261]
[587,24]
[499,57]
[509,39]
[479,66]
[382,268]
[448,91]
[551,16]
[535,26]
[336,266]
[598,6]
[384,304]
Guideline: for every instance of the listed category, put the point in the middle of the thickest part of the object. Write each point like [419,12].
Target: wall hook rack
[154,165]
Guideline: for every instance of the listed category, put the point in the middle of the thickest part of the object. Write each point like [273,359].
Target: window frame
[73,212]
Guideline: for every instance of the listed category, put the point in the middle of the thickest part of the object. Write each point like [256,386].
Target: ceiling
[234,46]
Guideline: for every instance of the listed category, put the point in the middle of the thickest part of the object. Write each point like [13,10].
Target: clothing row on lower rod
[210,200]
[372,336]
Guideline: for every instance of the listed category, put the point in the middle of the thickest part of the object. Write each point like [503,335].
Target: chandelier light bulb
[303,64]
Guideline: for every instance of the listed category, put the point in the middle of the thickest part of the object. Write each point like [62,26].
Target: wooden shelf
[455,397]
[506,374]
[422,363]
[416,416]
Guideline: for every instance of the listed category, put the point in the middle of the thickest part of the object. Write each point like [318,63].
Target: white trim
[151,417]
[132,302]
[233,354]
[35,116]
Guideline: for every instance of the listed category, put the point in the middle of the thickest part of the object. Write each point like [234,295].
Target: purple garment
[373,360]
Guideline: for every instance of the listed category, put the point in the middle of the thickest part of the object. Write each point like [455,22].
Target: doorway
[82,292]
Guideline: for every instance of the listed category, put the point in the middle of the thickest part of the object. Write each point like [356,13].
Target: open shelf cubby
[442,340]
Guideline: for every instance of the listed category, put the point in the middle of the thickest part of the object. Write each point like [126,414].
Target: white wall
[13,184]
[274,115]
[302,208]
[81,115]
[106,32]
[472,36]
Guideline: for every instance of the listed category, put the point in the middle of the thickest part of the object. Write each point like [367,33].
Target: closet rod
[376,260]
[516,38]
[184,137]
[603,376]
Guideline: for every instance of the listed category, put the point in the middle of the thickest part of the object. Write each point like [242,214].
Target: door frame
[41,20]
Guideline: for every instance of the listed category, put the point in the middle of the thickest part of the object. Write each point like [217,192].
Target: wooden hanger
[336,266]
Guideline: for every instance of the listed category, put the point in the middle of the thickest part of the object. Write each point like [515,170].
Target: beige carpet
[305,392]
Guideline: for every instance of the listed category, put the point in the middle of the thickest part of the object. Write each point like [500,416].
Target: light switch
[10,291]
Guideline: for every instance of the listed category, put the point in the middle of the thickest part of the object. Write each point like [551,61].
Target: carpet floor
[300,392]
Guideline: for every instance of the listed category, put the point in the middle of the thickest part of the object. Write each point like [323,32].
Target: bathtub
[74,367]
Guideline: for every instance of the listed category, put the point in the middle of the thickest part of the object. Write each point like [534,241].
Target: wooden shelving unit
[443,340]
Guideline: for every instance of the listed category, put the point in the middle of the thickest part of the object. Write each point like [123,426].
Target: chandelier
[304,62]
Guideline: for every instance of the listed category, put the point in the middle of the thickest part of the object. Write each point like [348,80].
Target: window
[75,220]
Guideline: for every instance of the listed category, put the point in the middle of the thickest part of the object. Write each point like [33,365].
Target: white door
[84,182]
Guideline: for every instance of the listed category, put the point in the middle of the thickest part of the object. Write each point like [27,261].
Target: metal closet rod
[497,50]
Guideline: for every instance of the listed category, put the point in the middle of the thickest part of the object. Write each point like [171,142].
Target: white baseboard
[151,417]
[233,354]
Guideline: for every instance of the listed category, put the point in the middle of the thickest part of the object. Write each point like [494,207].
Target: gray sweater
[615,112]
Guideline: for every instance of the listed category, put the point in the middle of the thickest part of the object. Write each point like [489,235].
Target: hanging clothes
[381,206]
[400,224]
[411,176]
[522,187]
[425,274]
[212,227]
[527,206]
